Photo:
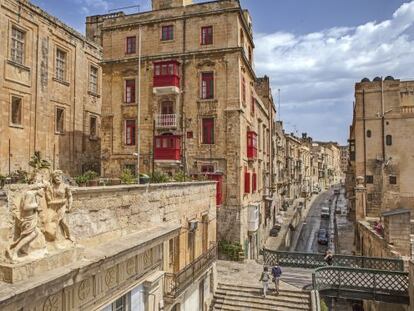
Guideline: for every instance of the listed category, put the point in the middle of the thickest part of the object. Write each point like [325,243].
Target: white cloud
[316,72]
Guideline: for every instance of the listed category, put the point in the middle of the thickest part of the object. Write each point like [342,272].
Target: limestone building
[202,108]
[149,247]
[344,158]
[50,91]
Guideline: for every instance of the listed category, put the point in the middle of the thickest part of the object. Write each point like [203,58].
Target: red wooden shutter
[207,85]
[130,132]
[130,91]
[208,130]
[246,182]
[254,182]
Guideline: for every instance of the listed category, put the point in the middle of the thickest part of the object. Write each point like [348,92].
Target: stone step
[258,295]
[255,289]
[269,302]
[242,306]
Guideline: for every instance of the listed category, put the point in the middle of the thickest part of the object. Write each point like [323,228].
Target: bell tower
[168,4]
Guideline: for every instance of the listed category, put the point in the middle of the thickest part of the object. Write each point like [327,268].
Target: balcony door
[167,107]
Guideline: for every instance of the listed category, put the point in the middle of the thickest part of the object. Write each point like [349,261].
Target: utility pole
[139,102]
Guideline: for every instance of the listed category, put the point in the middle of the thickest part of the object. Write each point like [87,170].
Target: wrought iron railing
[176,283]
[316,260]
[362,283]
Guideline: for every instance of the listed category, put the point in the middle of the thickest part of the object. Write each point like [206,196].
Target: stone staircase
[231,297]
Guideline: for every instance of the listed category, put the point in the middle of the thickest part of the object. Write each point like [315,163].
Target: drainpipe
[182,94]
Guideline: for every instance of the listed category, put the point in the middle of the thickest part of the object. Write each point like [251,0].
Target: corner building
[50,91]
[202,108]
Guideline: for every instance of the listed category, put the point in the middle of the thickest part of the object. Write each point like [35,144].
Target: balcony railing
[166,121]
[407,109]
[176,283]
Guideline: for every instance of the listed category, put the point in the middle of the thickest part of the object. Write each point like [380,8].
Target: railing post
[374,285]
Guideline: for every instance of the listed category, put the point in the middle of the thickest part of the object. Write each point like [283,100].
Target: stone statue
[59,199]
[28,228]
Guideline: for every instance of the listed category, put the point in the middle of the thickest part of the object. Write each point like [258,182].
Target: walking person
[264,278]
[328,257]
[276,273]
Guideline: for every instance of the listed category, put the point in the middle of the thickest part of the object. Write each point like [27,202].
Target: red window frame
[254,182]
[207,85]
[167,33]
[246,181]
[131,45]
[208,131]
[206,35]
[251,145]
[129,91]
[130,132]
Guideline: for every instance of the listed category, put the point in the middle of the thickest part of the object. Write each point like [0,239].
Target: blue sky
[313,50]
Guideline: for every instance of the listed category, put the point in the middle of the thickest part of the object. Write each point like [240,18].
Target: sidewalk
[278,242]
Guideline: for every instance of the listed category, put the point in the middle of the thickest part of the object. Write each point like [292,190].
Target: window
[369,133]
[92,127]
[131,45]
[167,107]
[243,89]
[130,91]
[241,38]
[254,182]
[393,180]
[369,179]
[60,120]
[167,33]
[253,104]
[190,134]
[93,80]
[388,140]
[208,131]
[60,65]
[130,132]
[16,110]
[207,85]
[246,182]
[251,145]
[207,168]
[206,35]
[17,46]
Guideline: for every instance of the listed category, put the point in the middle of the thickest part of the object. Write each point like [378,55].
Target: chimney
[168,4]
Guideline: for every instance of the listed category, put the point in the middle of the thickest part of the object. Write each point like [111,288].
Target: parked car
[323,237]
[325,212]
[275,230]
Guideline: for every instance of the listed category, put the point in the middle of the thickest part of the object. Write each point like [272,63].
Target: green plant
[180,176]
[37,162]
[324,307]
[81,179]
[127,177]
[231,249]
[90,175]
[159,177]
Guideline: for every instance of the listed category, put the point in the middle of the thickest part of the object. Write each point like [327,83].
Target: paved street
[308,239]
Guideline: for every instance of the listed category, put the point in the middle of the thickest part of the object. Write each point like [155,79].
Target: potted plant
[159,177]
[81,180]
[92,179]
[127,177]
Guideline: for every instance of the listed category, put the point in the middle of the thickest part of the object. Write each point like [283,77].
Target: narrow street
[308,239]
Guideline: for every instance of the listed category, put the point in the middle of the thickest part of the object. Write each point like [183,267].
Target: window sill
[18,65]
[60,133]
[167,41]
[60,81]
[129,104]
[94,94]
[208,100]
[93,138]
[17,126]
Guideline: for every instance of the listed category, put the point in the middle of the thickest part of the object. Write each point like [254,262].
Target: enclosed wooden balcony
[166,78]
[167,148]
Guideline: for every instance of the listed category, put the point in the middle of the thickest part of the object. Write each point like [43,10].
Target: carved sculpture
[58,198]
[29,209]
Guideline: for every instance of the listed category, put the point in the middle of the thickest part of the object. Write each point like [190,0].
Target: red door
[219,187]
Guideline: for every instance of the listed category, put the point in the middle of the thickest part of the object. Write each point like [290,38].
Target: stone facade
[50,91]
[196,116]
[131,242]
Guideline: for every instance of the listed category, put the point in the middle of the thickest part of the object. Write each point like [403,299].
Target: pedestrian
[276,273]
[328,257]
[264,278]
